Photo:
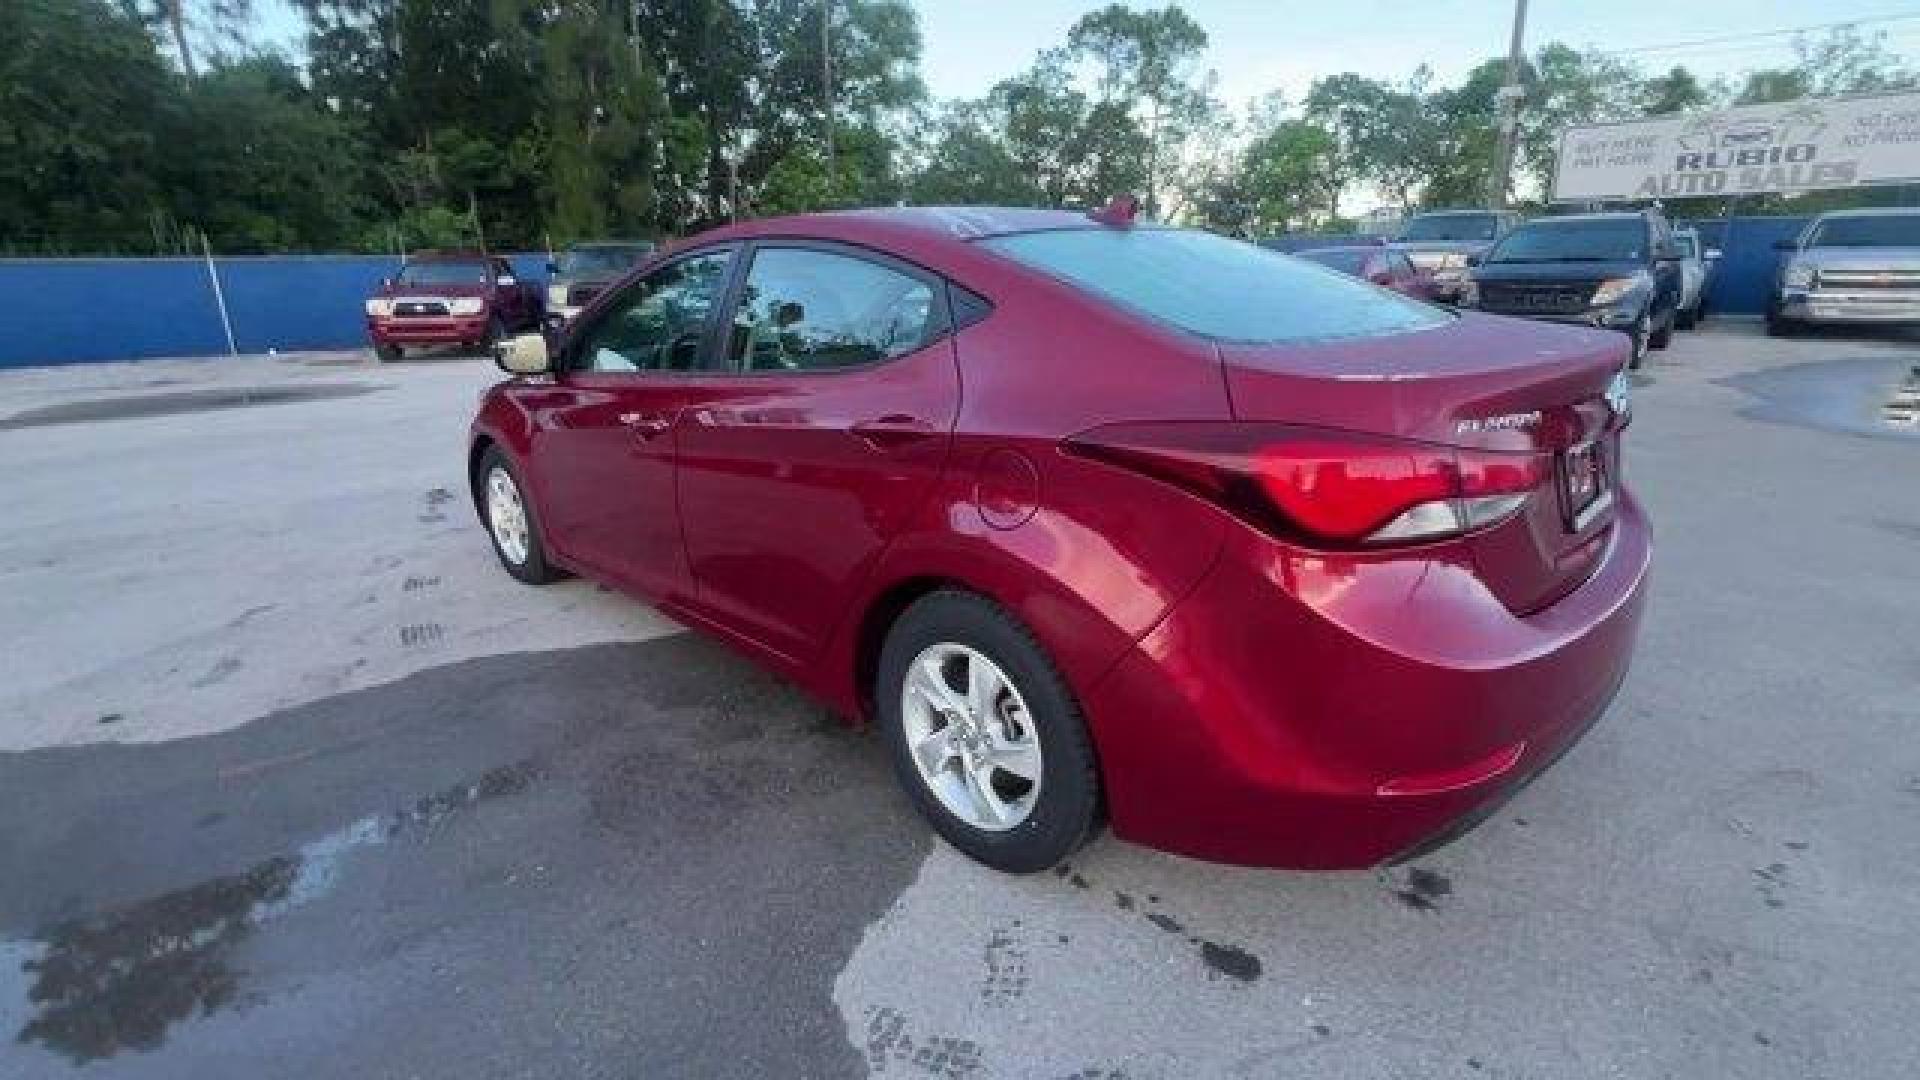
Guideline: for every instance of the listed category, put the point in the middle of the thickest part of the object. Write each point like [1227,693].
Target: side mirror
[1713,255]
[523,354]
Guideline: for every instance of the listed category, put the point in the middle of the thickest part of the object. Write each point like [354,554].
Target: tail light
[1327,487]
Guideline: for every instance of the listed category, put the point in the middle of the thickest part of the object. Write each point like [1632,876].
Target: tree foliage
[130,126]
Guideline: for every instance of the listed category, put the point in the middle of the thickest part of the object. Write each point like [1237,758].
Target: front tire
[985,735]
[1663,337]
[388,354]
[510,520]
[1640,334]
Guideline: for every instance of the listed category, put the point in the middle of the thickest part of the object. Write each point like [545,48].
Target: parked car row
[1632,271]
[473,299]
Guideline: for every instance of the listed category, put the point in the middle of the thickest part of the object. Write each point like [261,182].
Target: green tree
[84,102]
[1151,104]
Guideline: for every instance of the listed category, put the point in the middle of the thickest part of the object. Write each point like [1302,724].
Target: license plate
[1583,485]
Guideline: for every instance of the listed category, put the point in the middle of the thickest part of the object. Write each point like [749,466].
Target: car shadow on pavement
[646,857]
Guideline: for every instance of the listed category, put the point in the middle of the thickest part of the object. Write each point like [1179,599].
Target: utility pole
[1507,105]
[826,79]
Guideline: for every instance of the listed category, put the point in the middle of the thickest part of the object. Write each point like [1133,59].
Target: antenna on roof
[1119,211]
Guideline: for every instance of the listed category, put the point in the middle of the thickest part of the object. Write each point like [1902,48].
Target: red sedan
[1100,522]
[1383,266]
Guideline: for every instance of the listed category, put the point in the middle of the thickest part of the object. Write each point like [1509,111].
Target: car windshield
[1216,287]
[1685,243]
[1887,231]
[1606,240]
[1345,260]
[443,273]
[1461,228]
[601,261]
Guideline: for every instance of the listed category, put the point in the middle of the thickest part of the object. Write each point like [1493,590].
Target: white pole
[219,297]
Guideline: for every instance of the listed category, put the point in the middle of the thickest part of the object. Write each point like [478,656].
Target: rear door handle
[647,425]
[892,430]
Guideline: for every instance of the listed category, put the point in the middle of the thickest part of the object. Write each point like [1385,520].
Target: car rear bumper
[1328,712]
[450,330]
[1825,306]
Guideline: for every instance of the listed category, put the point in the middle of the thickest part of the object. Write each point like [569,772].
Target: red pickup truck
[450,298]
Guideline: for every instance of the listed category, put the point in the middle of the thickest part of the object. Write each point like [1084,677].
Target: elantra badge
[1504,422]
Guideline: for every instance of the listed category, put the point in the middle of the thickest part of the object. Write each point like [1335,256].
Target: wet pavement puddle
[119,980]
[172,403]
[1857,396]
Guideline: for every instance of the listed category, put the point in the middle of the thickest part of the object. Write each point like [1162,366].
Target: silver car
[1696,277]
[1850,267]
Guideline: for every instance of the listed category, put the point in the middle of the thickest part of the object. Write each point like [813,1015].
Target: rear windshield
[1462,228]
[1345,260]
[1867,232]
[1603,240]
[1216,287]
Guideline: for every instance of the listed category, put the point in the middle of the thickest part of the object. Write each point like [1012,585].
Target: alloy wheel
[507,515]
[971,736]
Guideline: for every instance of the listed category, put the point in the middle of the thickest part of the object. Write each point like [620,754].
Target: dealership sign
[1800,145]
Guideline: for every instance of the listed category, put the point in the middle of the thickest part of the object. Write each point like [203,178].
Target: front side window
[658,323]
[1602,240]
[1215,287]
[808,310]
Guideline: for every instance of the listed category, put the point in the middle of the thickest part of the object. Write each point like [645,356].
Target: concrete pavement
[297,781]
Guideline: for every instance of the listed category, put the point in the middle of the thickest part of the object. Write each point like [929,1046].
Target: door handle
[647,425]
[892,430]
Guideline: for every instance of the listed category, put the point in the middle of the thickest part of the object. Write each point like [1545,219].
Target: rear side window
[807,310]
[1216,287]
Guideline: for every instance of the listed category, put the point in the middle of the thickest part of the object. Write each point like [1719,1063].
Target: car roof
[1363,249]
[948,222]
[1464,211]
[1874,211]
[1606,215]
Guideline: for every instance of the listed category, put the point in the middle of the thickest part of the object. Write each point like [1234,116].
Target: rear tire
[511,522]
[388,354]
[945,732]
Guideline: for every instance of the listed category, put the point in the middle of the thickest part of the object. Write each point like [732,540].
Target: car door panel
[604,443]
[791,483]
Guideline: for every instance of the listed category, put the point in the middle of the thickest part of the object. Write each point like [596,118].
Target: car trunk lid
[1478,383]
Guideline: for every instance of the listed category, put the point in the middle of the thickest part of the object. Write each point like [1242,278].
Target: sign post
[1807,145]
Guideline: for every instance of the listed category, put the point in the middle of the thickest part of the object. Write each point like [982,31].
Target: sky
[1257,46]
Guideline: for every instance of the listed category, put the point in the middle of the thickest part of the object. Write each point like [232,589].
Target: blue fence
[81,310]
[1743,279]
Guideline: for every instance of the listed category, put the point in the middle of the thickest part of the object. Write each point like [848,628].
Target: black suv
[1619,270]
